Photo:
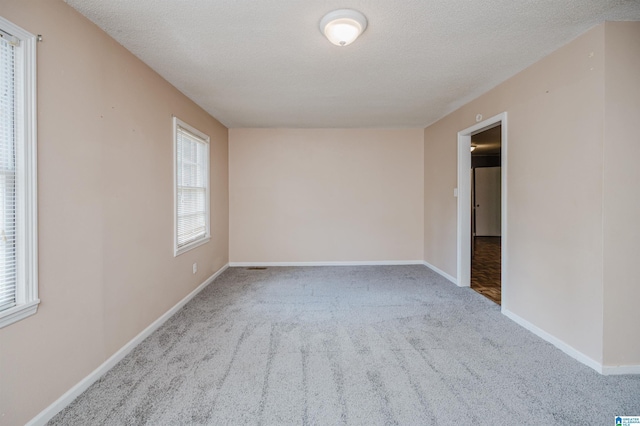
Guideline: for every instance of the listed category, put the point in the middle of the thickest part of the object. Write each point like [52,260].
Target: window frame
[177,123]
[27,300]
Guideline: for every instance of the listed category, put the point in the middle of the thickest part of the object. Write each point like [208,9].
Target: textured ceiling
[266,64]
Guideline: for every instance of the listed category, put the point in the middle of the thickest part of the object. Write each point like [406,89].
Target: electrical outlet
[195,268]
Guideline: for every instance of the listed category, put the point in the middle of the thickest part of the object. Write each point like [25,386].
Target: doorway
[486,212]
[466,221]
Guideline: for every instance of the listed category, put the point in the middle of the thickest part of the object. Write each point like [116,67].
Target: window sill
[17,313]
[190,246]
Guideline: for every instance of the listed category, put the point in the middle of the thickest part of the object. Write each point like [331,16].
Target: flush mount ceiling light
[473,148]
[343,26]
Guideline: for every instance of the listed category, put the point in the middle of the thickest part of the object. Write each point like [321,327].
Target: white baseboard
[613,370]
[347,263]
[569,350]
[440,271]
[68,397]
[330,263]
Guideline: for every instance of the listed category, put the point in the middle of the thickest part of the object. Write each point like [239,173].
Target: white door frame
[464,199]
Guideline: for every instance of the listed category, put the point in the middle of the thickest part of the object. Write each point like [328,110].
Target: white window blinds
[18,175]
[192,183]
[7,173]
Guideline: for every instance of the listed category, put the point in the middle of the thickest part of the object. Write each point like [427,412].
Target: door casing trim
[464,201]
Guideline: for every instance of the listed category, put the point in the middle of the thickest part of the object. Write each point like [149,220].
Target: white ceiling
[264,63]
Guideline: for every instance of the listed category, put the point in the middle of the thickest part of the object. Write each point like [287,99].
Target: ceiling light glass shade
[473,148]
[343,26]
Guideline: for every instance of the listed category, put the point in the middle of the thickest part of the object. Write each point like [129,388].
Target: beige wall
[555,142]
[105,202]
[621,195]
[105,208]
[300,195]
[573,206]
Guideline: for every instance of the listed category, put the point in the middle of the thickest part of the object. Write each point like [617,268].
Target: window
[191,153]
[18,212]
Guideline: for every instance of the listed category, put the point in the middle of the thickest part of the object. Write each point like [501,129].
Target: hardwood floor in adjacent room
[485,267]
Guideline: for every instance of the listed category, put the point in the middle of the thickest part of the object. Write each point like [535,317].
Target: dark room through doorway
[486,210]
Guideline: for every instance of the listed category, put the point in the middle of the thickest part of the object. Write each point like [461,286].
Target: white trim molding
[17,313]
[441,272]
[26,210]
[606,370]
[328,263]
[180,127]
[614,370]
[464,200]
[346,263]
[564,347]
[68,397]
